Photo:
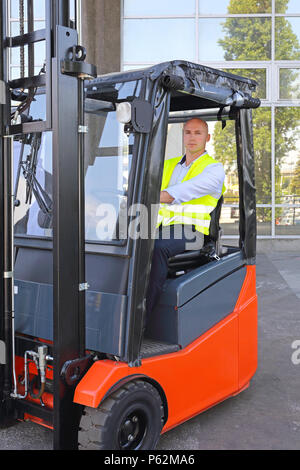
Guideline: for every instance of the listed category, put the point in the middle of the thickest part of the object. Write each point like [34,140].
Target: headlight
[123,112]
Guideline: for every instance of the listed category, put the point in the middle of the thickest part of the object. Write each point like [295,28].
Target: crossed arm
[210,181]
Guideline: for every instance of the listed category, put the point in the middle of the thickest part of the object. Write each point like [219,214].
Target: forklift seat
[211,249]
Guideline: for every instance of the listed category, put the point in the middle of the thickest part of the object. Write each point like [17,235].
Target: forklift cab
[200,343]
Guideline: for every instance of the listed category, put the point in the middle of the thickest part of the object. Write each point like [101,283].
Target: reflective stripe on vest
[195,212]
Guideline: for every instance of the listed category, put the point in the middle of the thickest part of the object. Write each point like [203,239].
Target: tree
[295,184]
[250,39]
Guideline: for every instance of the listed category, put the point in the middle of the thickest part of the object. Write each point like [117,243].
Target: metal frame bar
[2,110]
[6,259]
[68,242]
[34,36]
[64,93]
[34,410]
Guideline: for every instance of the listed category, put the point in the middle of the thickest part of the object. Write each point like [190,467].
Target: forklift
[81,157]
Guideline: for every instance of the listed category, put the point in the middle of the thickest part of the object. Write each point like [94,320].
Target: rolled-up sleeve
[209,182]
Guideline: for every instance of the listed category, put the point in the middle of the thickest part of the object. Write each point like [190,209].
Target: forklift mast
[62,77]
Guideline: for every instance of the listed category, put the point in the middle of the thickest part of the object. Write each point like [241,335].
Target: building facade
[259,39]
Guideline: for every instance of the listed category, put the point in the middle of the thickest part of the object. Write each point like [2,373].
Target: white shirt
[209,182]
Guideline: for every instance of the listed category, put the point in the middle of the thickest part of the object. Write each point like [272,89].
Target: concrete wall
[101,33]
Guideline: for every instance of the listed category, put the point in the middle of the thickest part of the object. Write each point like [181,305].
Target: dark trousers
[179,240]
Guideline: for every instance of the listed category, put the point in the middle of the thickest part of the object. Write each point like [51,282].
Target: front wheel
[129,419]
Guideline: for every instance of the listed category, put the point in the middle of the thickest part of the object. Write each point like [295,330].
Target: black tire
[129,419]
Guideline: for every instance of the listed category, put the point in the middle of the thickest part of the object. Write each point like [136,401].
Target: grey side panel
[34,265]
[181,290]
[26,302]
[105,316]
[105,322]
[183,323]
[104,273]
[208,308]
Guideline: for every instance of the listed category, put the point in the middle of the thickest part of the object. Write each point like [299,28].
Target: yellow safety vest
[194,212]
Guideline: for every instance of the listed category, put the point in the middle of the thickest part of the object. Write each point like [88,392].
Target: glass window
[158,7]
[234,39]
[107,176]
[39,54]
[159,40]
[174,146]
[135,67]
[108,159]
[15,27]
[15,72]
[38,106]
[38,8]
[33,216]
[264,221]
[287,38]
[229,220]
[259,75]
[287,221]
[287,154]
[262,153]
[234,6]
[289,84]
[222,147]
[15,56]
[287,6]
[126,89]
[72,4]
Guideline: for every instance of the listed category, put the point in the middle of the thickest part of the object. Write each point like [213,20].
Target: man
[191,188]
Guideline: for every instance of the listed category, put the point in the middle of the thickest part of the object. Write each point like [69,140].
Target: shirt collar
[182,161]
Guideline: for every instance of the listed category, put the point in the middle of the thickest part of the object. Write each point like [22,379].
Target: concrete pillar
[101,33]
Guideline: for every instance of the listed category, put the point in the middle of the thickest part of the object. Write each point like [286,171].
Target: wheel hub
[132,430]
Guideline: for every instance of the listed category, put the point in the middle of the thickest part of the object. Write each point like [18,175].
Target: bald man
[191,188]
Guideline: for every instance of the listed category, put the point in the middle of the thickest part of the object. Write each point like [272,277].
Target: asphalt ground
[264,416]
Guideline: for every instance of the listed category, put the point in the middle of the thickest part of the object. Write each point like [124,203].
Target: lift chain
[22,30]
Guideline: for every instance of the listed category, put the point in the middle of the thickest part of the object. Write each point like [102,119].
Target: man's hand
[165,197]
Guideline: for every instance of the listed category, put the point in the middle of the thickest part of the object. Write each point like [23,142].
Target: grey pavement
[264,416]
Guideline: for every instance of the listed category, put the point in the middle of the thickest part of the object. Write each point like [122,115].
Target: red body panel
[247,314]
[47,397]
[217,365]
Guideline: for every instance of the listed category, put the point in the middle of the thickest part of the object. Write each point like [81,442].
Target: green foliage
[292,77]
[250,39]
[250,6]
[287,46]
[295,184]
[247,39]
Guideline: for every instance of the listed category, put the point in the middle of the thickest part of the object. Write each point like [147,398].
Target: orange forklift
[81,157]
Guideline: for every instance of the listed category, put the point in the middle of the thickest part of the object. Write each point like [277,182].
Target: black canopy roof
[187,81]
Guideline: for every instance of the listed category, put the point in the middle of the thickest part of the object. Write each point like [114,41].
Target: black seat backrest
[214,227]
[209,252]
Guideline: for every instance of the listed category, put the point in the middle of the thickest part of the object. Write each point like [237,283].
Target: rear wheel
[129,419]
